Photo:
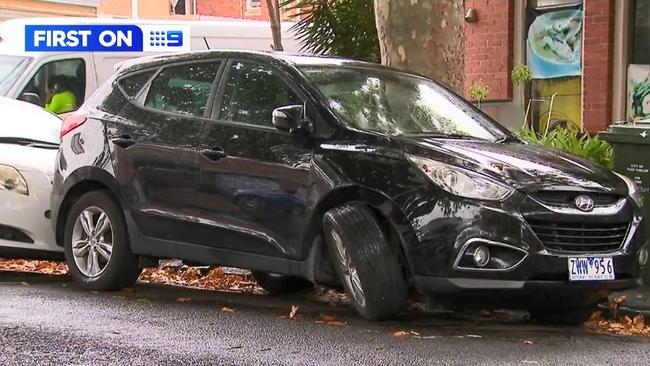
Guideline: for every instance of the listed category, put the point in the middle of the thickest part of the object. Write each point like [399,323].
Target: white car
[29,141]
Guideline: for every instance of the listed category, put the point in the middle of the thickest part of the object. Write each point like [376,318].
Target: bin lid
[631,132]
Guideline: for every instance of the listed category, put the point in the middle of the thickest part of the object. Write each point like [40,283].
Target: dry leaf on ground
[294,311]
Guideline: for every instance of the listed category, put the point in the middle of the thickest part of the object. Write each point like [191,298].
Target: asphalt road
[47,320]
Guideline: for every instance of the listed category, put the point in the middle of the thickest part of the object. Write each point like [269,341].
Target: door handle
[214,154]
[123,141]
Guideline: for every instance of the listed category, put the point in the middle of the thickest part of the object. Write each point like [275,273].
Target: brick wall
[117,8]
[231,9]
[489,47]
[597,64]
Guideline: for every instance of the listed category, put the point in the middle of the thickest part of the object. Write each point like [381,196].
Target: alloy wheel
[350,273]
[92,241]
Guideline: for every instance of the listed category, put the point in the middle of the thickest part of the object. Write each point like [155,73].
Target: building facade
[590,57]
[30,8]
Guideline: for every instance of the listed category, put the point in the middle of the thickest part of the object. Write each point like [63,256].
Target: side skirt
[160,248]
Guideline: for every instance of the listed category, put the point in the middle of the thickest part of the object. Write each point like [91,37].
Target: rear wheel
[96,244]
[366,265]
[277,284]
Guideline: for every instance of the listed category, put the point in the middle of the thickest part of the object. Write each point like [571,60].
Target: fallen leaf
[400,333]
[184,299]
[327,318]
[528,342]
[294,311]
[227,310]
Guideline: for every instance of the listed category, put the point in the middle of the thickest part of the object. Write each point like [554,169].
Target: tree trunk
[273,7]
[425,36]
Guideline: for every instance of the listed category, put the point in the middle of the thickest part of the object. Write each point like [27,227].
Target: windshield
[24,123]
[397,103]
[11,67]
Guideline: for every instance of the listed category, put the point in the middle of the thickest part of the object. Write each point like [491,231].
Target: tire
[120,270]
[371,275]
[276,284]
[561,315]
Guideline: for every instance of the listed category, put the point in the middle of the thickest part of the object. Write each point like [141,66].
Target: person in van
[61,99]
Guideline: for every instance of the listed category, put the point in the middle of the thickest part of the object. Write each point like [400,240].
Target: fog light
[643,256]
[481,256]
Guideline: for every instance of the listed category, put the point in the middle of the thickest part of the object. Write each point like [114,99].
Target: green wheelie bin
[631,148]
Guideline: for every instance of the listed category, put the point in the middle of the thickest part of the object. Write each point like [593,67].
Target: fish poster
[554,43]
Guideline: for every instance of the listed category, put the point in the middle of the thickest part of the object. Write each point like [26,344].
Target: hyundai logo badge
[584,203]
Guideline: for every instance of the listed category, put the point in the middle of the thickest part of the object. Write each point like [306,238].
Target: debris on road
[294,311]
[184,299]
[214,279]
[636,326]
[527,342]
[227,310]
[33,266]
[330,320]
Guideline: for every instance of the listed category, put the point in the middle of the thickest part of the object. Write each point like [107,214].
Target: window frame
[215,116]
[81,98]
[156,71]
[139,100]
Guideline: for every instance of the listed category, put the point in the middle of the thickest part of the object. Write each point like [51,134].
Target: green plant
[521,74]
[586,146]
[341,27]
[479,92]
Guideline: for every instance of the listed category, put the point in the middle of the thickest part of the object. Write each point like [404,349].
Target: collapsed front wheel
[96,244]
[366,265]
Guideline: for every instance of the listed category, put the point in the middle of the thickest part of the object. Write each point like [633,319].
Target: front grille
[567,198]
[580,237]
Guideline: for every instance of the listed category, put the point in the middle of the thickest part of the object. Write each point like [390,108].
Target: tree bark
[425,36]
[273,8]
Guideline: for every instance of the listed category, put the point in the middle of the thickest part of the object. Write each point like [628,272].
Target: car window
[132,84]
[60,85]
[183,89]
[252,92]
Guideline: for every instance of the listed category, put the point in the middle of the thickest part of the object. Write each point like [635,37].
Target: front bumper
[29,215]
[445,228]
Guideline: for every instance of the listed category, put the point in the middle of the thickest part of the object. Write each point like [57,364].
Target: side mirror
[287,118]
[31,98]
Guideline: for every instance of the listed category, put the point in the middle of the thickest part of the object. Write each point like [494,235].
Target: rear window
[183,89]
[132,84]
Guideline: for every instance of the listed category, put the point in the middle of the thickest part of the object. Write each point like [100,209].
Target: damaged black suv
[324,170]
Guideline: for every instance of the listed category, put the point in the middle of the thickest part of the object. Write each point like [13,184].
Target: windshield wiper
[456,136]
[27,142]
[507,138]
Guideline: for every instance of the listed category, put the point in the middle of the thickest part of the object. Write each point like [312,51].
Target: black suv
[311,169]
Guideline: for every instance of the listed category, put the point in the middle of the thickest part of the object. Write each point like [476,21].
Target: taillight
[70,123]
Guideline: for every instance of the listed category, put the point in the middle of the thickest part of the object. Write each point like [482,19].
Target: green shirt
[62,102]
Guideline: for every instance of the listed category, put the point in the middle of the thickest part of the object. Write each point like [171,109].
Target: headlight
[462,182]
[632,189]
[11,180]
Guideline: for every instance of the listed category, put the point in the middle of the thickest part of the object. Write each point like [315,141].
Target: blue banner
[106,38]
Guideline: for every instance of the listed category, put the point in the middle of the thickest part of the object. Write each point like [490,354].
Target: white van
[28,75]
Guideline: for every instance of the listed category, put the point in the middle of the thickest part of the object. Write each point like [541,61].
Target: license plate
[591,268]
